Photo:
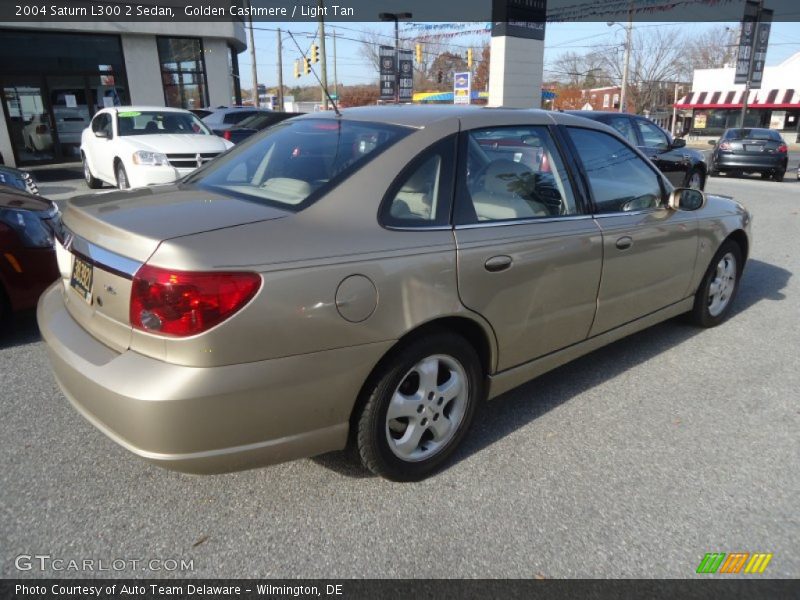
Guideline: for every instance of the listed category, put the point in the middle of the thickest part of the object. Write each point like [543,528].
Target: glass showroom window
[183,72]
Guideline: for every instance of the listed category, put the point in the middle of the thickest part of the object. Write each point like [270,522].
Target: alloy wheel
[427,408]
[723,285]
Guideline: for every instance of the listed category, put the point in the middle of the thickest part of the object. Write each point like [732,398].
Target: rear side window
[625,128]
[513,173]
[232,118]
[421,195]
[652,136]
[295,162]
[620,180]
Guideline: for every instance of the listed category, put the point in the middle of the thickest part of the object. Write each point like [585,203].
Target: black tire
[701,314]
[5,306]
[778,175]
[123,182]
[692,173]
[766,175]
[373,431]
[91,180]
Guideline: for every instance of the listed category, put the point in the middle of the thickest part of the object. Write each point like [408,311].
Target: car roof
[421,116]
[142,108]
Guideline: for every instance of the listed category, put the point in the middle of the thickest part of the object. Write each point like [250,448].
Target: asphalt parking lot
[633,461]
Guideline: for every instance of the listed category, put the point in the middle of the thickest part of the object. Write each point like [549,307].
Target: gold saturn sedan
[368,278]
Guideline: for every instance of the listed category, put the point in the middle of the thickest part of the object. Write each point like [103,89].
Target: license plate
[752,148]
[81,280]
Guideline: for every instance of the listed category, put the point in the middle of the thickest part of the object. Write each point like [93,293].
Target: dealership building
[55,76]
[715,101]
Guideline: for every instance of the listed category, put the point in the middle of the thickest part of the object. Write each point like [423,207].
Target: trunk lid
[107,237]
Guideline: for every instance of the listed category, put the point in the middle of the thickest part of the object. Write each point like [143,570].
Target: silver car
[369,279]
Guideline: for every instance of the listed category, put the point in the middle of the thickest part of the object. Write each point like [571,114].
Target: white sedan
[131,147]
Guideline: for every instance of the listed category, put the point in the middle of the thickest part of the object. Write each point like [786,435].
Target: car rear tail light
[226,135]
[41,129]
[184,303]
[783,149]
[725,146]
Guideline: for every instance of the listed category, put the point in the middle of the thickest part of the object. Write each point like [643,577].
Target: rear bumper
[206,420]
[754,163]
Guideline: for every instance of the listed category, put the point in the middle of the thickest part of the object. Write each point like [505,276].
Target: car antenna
[313,72]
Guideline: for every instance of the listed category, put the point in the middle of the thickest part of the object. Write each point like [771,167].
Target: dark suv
[683,166]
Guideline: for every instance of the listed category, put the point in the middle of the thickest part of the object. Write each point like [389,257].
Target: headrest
[505,176]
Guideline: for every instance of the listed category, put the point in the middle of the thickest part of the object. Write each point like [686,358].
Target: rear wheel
[778,175]
[122,177]
[419,405]
[714,298]
[90,179]
[695,179]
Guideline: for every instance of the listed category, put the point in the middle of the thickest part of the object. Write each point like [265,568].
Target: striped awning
[784,98]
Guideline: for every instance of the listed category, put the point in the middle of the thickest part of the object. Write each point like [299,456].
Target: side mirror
[101,133]
[678,143]
[687,199]
[712,142]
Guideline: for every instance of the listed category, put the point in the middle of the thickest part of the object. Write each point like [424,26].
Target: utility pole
[323,57]
[253,61]
[335,74]
[280,71]
[627,59]
[675,110]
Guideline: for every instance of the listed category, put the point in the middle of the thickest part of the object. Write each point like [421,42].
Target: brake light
[226,135]
[184,303]
[41,129]
[724,146]
[783,148]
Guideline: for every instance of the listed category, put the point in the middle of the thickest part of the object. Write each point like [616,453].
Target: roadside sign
[388,72]
[760,48]
[405,82]
[519,18]
[746,40]
[462,88]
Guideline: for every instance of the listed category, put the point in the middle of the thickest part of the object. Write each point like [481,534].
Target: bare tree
[712,49]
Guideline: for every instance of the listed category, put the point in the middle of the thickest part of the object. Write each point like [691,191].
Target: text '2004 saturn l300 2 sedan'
[369,278]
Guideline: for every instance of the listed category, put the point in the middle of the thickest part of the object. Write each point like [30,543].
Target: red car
[27,255]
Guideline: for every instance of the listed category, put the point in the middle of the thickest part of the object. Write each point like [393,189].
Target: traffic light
[314,53]
[469,58]
[419,53]
[297,69]
[307,66]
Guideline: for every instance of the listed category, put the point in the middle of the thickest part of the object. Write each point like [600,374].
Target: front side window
[135,122]
[514,173]
[293,163]
[183,73]
[625,127]
[652,135]
[620,180]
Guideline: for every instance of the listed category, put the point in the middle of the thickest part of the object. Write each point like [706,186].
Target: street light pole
[675,109]
[254,70]
[323,58]
[628,41]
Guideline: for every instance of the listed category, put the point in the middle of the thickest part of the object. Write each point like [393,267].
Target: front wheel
[695,179]
[419,405]
[714,297]
[122,177]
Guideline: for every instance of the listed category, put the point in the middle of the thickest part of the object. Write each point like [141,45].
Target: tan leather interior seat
[501,195]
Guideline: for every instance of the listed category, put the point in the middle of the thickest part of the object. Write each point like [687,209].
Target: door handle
[624,242]
[498,263]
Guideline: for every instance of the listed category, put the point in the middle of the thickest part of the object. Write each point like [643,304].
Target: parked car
[27,255]
[17,179]
[371,277]
[225,117]
[137,146]
[254,124]
[684,167]
[36,134]
[750,150]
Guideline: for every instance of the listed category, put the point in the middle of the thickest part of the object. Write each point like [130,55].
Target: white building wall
[515,74]
[783,76]
[218,75]
[143,70]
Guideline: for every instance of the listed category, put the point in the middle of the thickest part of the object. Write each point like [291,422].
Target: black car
[21,180]
[255,123]
[750,150]
[683,166]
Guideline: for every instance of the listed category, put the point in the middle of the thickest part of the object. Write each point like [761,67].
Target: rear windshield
[135,122]
[298,160]
[752,134]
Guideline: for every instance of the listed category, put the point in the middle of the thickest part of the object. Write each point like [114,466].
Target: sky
[352,68]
